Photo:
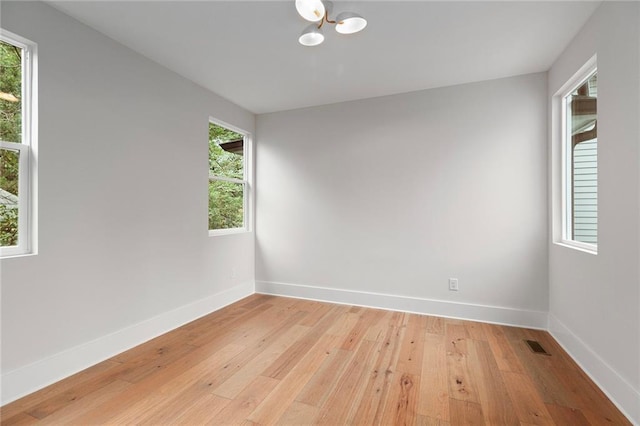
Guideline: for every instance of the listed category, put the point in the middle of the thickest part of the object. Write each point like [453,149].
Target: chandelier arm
[326,18]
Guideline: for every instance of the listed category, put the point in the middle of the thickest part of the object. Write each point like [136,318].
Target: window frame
[247,213]
[26,147]
[565,140]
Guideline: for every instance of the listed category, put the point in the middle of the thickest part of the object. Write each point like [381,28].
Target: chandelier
[317,11]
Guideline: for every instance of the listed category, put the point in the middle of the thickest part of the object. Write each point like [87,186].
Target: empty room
[306,212]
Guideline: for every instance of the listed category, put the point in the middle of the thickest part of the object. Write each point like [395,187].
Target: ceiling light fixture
[311,10]
[317,11]
[311,36]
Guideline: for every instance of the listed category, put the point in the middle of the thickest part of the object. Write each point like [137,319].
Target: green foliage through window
[226,199]
[10,93]
[225,205]
[8,226]
[10,131]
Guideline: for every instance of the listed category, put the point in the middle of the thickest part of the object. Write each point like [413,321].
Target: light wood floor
[272,360]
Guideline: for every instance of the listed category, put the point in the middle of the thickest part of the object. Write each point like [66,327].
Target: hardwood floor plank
[430,421]
[70,413]
[585,395]
[400,408]
[251,396]
[516,333]
[526,401]
[254,300]
[365,319]
[271,360]
[299,414]
[213,326]
[134,371]
[379,382]
[223,330]
[546,373]
[434,401]
[575,385]
[287,360]
[344,324]
[397,404]
[20,419]
[148,392]
[465,413]
[206,373]
[501,348]
[253,347]
[231,387]
[495,402]
[71,395]
[412,348]
[475,330]
[340,407]
[378,332]
[455,329]
[461,383]
[324,381]
[274,406]
[161,408]
[435,325]
[202,410]
[567,416]
[147,405]
[50,393]
[315,315]
[402,398]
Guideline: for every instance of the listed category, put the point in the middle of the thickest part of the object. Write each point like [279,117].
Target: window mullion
[226,179]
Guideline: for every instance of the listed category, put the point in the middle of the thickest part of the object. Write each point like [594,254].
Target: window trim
[247,204]
[27,175]
[566,148]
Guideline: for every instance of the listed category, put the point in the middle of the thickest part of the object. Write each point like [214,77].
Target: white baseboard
[490,314]
[619,390]
[30,378]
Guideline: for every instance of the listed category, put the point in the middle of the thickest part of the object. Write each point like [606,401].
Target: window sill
[231,231]
[16,255]
[586,248]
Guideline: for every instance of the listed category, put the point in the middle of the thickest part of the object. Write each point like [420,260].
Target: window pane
[9,163]
[226,203]
[10,93]
[585,192]
[584,161]
[225,152]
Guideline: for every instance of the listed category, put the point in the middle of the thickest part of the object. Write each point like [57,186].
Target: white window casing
[245,182]
[27,149]
[578,173]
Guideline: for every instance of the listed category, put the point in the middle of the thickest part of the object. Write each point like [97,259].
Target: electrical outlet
[453,284]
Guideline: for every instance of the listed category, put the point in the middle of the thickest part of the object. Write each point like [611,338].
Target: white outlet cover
[453,284]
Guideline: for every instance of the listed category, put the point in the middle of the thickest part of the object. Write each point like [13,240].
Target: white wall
[122,206]
[595,300]
[396,194]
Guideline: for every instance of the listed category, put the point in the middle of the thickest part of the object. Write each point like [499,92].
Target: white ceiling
[248,52]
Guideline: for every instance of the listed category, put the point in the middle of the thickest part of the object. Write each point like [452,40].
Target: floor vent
[536,347]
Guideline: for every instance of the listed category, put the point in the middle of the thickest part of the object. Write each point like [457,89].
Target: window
[228,183]
[16,144]
[580,165]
